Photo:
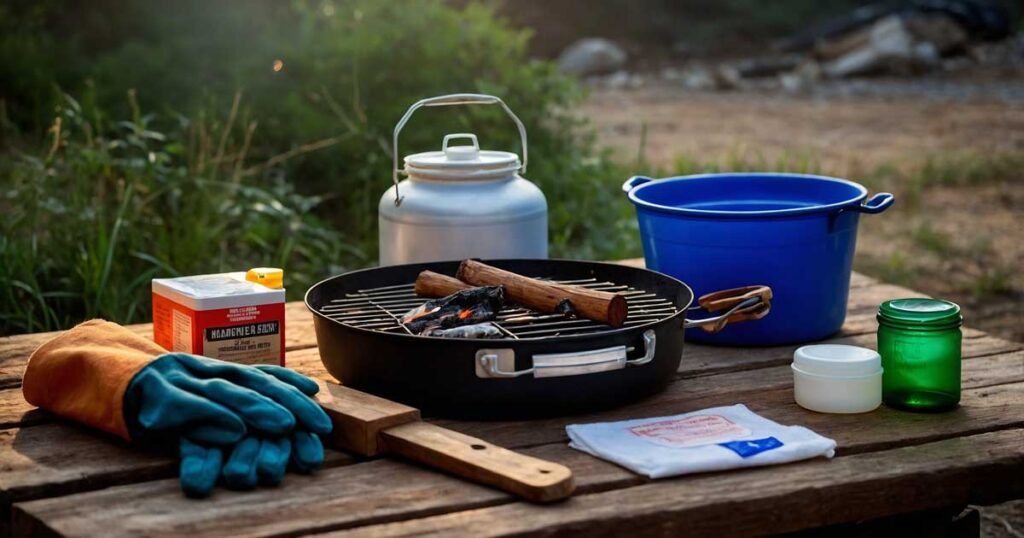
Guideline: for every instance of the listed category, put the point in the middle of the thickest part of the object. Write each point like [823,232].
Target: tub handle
[878,203]
[635,182]
[739,304]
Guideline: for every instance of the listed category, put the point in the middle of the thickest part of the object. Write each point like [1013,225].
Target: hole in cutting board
[477,447]
[544,471]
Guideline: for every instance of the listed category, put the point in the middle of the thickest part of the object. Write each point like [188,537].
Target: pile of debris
[904,38]
[909,37]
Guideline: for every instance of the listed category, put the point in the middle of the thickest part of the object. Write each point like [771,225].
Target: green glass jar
[919,341]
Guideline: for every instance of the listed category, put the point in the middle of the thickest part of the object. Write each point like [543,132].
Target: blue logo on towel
[752,447]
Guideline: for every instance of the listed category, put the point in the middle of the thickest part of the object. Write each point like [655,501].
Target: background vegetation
[141,141]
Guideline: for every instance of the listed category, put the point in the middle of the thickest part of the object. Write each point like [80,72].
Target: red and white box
[223,316]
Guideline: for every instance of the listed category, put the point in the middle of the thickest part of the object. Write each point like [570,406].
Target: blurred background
[143,138]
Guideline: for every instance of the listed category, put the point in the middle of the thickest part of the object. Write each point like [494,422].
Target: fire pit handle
[500,363]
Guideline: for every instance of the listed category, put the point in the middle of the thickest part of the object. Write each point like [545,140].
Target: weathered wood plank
[15,412]
[700,393]
[769,392]
[15,350]
[986,409]
[950,522]
[366,493]
[997,369]
[984,468]
[706,360]
[384,491]
[867,298]
[35,462]
[769,387]
[62,458]
[860,279]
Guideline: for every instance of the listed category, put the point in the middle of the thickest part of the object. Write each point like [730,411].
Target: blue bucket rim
[826,208]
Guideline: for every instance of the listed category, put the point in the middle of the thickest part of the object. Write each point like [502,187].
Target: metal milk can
[461,202]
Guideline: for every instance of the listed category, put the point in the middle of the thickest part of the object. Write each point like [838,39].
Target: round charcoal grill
[546,364]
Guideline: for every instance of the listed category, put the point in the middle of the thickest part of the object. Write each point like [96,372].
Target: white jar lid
[834,360]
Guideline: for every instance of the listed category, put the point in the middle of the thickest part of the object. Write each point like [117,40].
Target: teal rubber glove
[278,421]
[250,462]
[212,402]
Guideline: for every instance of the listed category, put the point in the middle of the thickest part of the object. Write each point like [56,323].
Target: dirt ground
[950,237]
[962,242]
[849,136]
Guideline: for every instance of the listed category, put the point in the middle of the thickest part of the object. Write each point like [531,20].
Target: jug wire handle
[450,100]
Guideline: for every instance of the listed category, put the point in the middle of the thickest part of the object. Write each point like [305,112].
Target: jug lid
[465,162]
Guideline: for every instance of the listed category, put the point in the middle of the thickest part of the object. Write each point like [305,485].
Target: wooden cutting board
[370,425]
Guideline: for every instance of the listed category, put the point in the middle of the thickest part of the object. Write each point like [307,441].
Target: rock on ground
[591,56]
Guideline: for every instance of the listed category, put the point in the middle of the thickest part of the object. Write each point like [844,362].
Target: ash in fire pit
[463,314]
[479,330]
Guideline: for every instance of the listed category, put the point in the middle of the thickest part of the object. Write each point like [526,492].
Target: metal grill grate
[381,309]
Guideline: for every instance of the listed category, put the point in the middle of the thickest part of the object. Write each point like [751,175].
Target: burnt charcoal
[480,330]
[565,308]
[465,307]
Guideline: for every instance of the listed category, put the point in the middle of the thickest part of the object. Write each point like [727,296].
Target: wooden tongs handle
[729,300]
[371,426]
[477,460]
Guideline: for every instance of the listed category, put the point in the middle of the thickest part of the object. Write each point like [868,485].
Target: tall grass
[101,208]
[290,175]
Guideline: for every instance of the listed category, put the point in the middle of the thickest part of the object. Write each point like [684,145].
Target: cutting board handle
[534,479]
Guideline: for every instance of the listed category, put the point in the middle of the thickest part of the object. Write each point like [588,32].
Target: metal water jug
[461,202]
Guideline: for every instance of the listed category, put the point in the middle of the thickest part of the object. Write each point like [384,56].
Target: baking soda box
[228,316]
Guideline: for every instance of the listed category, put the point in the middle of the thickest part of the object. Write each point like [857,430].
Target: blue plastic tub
[795,233]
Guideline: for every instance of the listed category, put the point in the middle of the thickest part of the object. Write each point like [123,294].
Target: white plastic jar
[832,378]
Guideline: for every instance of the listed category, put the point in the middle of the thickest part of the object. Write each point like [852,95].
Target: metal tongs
[739,304]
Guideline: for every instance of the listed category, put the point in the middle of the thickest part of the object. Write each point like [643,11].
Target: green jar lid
[920,313]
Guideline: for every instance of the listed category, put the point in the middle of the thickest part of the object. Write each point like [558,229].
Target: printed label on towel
[695,430]
[751,447]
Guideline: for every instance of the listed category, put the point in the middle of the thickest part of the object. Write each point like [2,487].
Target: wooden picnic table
[890,467]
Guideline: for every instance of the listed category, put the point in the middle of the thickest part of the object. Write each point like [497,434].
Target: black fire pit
[545,365]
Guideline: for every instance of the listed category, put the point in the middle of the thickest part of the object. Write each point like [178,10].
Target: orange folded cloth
[83,373]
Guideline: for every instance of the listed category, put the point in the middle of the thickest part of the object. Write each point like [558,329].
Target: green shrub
[291,177]
[105,207]
[349,69]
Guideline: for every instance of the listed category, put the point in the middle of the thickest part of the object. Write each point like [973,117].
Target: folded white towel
[709,440]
